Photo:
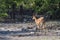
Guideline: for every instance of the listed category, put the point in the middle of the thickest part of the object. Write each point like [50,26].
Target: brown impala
[40,22]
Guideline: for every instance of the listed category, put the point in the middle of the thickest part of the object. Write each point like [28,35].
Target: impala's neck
[34,18]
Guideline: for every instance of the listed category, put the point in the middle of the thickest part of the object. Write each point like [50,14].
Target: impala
[40,22]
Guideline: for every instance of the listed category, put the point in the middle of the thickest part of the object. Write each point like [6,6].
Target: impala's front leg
[38,28]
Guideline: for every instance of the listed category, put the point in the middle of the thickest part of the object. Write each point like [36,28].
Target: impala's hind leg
[43,25]
[44,28]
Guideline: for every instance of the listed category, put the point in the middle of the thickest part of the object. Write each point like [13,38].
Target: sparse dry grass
[36,38]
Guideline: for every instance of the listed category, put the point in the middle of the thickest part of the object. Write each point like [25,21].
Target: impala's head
[34,17]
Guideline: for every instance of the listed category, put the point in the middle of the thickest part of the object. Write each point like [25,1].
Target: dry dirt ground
[52,31]
[32,38]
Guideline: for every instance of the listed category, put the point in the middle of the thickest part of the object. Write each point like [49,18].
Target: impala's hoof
[37,28]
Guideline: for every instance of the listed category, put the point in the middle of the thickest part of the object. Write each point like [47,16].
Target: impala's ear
[33,14]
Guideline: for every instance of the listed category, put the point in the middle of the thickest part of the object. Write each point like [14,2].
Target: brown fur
[40,22]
